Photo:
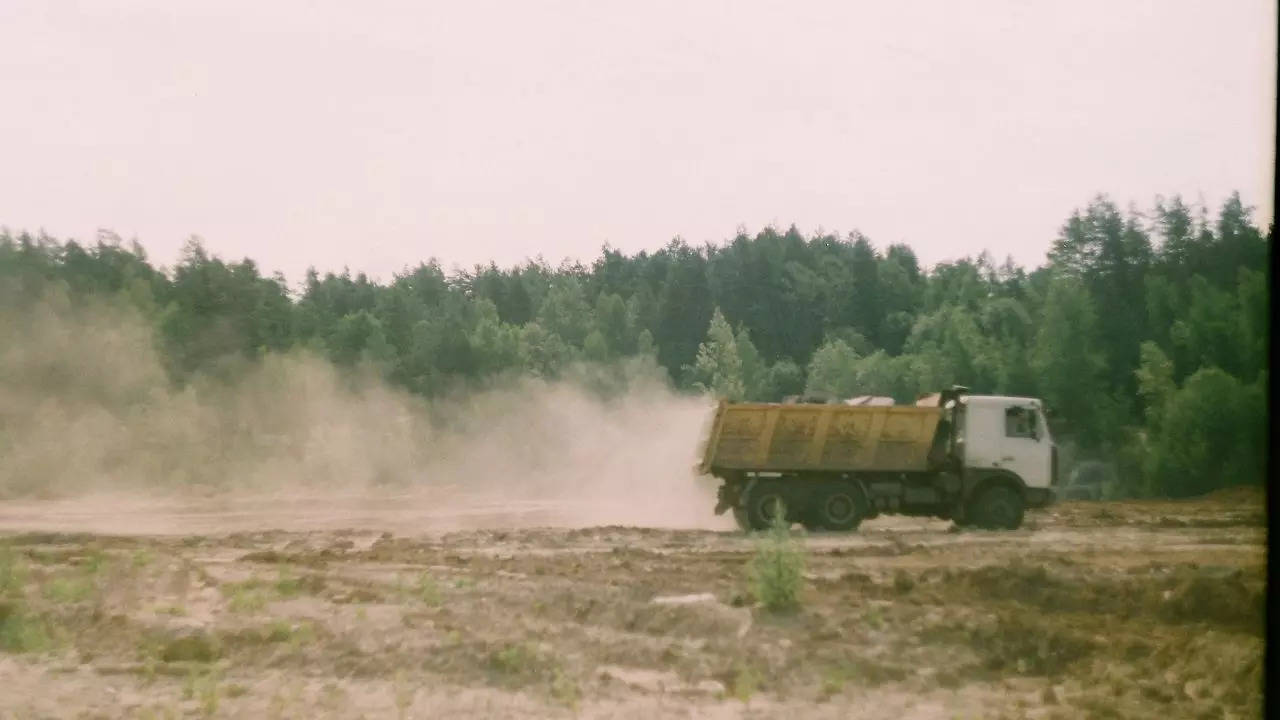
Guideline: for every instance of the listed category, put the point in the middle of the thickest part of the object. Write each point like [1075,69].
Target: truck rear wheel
[764,500]
[996,508]
[838,506]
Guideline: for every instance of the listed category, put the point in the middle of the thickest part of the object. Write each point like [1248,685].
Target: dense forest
[1145,332]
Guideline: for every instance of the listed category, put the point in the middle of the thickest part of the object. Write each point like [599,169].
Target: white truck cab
[1007,433]
[1007,436]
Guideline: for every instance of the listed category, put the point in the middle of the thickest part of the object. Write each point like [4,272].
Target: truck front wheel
[996,508]
[838,506]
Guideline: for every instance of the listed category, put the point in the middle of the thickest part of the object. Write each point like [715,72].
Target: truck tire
[838,506]
[996,507]
[762,500]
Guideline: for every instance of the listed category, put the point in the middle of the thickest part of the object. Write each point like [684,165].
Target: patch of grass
[287,584]
[865,671]
[564,688]
[514,659]
[776,571]
[744,681]
[834,679]
[278,631]
[290,585]
[192,647]
[1013,644]
[249,596]
[902,582]
[405,692]
[235,690]
[20,630]
[141,558]
[874,617]
[95,561]
[13,573]
[203,688]
[207,694]
[428,591]
[303,634]
[67,590]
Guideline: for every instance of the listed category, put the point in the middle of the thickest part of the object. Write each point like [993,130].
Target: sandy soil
[389,608]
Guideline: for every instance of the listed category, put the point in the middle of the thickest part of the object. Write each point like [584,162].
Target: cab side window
[1020,423]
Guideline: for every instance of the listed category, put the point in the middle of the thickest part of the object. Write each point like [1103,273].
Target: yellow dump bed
[819,437]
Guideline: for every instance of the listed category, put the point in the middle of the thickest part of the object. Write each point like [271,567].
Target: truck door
[1025,447]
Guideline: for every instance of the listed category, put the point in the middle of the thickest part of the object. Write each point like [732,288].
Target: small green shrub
[777,569]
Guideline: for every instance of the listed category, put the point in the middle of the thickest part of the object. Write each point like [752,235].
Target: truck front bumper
[1039,497]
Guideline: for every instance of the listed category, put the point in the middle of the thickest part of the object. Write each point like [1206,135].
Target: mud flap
[726,497]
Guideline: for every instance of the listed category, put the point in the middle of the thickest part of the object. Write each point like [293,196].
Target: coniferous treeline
[1146,333]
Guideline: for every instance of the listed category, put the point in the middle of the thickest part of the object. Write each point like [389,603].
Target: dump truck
[978,460]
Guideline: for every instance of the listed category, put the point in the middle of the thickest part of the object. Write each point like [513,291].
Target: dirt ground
[344,608]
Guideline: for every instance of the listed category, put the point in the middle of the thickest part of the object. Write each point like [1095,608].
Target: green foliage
[1212,433]
[1110,331]
[13,573]
[514,659]
[21,631]
[1156,386]
[1067,361]
[66,590]
[776,570]
[249,596]
[718,366]
[784,378]
[833,371]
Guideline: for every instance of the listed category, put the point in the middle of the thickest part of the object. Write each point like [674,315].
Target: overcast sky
[373,135]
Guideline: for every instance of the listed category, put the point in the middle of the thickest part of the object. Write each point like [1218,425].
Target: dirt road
[348,608]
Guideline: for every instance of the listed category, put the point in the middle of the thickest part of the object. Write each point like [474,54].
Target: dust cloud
[94,436]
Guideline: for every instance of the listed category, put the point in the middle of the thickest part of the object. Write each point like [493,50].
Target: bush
[777,570]
[1212,435]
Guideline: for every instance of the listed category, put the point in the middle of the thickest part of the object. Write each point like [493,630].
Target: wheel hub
[839,507]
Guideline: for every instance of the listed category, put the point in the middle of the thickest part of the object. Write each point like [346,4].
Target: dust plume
[92,431]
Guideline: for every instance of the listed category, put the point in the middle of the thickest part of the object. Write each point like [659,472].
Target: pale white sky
[375,134]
